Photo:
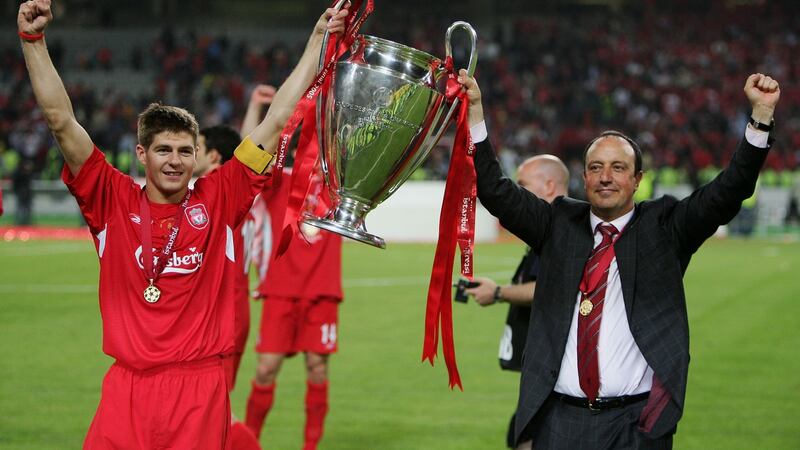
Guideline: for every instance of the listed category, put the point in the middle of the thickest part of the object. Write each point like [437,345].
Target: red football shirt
[311,266]
[194,317]
[243,237]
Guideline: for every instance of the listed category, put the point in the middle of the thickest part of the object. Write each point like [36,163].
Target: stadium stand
[669,77]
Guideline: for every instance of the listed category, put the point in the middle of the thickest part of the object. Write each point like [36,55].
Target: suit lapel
[579,250]
[625,250]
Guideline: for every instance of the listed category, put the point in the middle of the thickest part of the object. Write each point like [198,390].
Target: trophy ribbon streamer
[456,225]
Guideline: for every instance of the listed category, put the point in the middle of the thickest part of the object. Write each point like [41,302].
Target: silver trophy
[385,111]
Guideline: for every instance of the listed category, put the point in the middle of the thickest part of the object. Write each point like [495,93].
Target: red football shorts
[180,405]
[292,325]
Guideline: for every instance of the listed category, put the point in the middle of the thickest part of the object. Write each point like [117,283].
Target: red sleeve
[94,187]
[234,186]
[275,198]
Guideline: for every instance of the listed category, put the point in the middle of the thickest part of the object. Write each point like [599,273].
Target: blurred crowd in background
[673,81]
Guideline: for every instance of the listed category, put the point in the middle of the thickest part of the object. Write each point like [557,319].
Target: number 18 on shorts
[290,325]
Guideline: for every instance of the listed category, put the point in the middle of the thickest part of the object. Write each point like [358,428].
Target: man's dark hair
[223,139]
[636,150]
[157,118]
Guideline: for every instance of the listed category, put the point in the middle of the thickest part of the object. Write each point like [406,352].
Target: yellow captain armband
[253,156]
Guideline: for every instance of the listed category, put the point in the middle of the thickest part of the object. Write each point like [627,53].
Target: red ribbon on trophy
[304,114]
[456,225]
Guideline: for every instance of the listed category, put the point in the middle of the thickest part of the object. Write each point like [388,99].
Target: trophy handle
[473,41]
[321,99]
[473,62]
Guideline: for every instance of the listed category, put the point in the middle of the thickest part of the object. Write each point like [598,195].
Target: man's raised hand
[262,94]
[34,15]
[475,113]
[763,93]
[331,21]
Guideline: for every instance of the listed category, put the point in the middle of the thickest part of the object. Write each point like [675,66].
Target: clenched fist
[763,93]
[34,15]
[262,95]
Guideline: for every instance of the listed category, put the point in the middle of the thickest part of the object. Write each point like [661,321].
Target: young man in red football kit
[167,257]
[301,292]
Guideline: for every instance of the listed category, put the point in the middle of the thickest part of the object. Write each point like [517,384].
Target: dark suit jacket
[652,255]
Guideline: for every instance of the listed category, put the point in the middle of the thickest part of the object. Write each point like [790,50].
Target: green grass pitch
[744,379]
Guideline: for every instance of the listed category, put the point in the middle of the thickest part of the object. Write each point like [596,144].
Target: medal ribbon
[456,225]
[305,114]
[151,272]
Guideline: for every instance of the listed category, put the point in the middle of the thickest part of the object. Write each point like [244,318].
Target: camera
[462,284]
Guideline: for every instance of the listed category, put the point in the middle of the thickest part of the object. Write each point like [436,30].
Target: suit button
[554,374]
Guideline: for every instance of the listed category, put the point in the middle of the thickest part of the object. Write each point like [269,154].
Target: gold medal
[586,307]
[151,293]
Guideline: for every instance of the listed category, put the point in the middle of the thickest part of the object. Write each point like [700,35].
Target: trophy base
[352,233]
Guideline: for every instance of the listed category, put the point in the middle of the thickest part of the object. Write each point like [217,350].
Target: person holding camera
[547,177]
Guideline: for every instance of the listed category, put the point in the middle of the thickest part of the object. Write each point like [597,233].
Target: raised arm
[695,218]
[519,211]
[266,134]
[73,141]
[261,96]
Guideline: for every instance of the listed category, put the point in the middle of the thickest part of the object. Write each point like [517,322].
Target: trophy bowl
[383,114]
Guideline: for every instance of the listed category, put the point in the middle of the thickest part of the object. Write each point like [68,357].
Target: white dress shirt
[623,369]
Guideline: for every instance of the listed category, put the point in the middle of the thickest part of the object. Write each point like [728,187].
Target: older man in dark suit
[607,355]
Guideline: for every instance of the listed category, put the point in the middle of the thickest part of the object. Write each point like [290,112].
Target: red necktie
[593,293]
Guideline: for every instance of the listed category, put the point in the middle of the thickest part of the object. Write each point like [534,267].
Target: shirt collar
[620,222]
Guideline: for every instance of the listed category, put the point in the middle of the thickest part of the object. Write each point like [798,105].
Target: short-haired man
[301,292]
[547,177]
[607,357]
[166,254]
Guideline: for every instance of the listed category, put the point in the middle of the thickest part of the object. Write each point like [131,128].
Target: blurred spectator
[669,76]
[22,179]
[793,209]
